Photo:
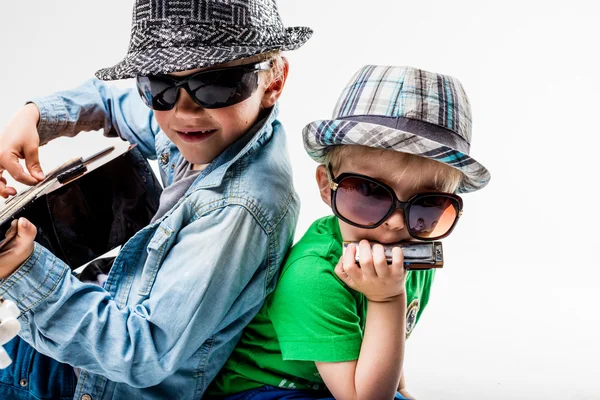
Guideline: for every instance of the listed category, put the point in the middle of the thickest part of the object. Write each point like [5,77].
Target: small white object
[9,328]
[8,309]
[5,360]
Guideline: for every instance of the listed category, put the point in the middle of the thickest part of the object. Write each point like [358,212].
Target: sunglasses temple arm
[329,169]
[332,184]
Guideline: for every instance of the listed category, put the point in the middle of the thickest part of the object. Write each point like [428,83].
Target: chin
[193,158]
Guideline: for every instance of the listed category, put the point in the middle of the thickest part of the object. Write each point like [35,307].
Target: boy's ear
[323,182]
[273,92]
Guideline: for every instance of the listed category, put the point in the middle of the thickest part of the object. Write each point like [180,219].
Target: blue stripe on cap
[450,121]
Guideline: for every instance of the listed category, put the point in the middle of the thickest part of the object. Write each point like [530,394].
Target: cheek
[350,232]
[240,117]
[162,117]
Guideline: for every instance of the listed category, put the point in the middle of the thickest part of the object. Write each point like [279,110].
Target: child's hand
[377,280]
[16,250]
[20,140]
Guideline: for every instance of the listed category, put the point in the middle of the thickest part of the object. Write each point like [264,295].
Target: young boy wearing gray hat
[209,75]
[392,160]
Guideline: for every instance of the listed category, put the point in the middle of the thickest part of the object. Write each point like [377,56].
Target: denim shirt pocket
[157,249]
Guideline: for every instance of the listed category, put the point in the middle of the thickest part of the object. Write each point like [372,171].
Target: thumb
[32,161]
[26,230]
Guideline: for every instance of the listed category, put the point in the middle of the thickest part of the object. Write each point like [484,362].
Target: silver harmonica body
[417,255]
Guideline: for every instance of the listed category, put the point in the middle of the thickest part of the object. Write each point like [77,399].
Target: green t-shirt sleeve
[314,314]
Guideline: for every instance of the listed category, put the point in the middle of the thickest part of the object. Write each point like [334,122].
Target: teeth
[196,132]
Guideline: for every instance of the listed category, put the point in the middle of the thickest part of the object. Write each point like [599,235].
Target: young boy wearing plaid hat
[179,293]
[392,160]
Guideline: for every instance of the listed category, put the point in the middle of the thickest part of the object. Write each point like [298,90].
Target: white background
[515,311]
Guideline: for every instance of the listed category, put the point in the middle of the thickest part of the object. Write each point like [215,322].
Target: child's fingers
[366,259]
[343,275]
[354,272]
[349,263]
[397,266]
[26,230]
[380,263]
[349,256]
[5,190]
[12,228]
[10,162]
[20,236]
[11,232]
[339,270]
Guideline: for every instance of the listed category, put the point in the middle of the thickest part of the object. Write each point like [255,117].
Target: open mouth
[196,136]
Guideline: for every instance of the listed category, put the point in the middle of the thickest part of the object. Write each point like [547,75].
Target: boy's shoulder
[262,178]
[320,245]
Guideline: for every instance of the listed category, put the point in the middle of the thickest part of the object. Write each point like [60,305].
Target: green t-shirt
[311,316]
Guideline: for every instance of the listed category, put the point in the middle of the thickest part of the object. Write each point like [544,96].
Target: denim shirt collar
[213,174]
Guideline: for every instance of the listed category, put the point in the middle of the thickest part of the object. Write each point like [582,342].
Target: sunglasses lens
[432,216]
[223,88]
[157,93]
[361,201]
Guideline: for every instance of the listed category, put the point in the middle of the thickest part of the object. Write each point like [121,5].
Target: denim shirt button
[164,158]
[23,382]
[86,397]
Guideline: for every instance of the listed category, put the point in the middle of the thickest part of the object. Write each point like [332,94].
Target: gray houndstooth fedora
[177,35]
[403,109]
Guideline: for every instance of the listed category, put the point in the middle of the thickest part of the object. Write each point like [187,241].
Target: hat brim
[320,136]
[165,60]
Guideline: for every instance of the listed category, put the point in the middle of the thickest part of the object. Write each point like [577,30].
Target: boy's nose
[395,221]
[185,103]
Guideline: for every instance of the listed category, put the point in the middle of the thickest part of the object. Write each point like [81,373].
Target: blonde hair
[277,66]
[446,178]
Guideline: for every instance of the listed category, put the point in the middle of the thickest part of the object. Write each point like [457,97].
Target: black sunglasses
[214,88]
[367,203]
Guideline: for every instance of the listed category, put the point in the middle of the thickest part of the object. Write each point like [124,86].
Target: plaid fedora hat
[177,35]
[403,109]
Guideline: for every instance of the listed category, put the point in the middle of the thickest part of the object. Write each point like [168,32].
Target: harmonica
[417,255]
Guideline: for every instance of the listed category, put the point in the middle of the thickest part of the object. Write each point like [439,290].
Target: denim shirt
[183,288]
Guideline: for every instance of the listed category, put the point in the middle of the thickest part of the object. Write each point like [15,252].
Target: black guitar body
[96,212]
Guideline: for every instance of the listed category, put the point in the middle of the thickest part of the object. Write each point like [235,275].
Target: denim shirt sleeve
[207,273]
[93,106]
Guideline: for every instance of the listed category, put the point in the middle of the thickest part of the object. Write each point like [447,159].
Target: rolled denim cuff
[54,117]
[35,280]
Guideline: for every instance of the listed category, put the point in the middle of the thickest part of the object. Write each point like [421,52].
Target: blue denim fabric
[273,393]
[182,289]
[34,376]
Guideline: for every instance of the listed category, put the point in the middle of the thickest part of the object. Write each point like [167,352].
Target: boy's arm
[376,373]
[92,106]
[206,280]
[97,105]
